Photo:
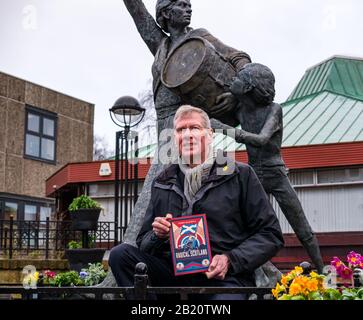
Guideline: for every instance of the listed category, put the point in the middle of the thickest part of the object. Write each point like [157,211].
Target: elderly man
[244,231]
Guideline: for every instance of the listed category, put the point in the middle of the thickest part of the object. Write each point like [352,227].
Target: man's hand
[161,226]
[225,103]
[219,267]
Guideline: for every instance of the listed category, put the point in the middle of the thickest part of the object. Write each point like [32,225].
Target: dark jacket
[241,221]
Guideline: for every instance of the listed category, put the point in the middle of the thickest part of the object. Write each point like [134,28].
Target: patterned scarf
[195,176]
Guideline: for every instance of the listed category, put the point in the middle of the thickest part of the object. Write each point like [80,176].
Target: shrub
[83,202]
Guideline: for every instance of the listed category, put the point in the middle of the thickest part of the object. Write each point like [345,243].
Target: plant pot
[80,258]
[85,219]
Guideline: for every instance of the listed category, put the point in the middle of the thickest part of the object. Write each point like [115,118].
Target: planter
[85,219]
[80,258]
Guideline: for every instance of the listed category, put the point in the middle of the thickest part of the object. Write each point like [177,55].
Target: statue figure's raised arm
[150,32]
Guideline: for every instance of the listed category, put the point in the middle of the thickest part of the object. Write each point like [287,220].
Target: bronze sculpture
[262,127]
[169,31]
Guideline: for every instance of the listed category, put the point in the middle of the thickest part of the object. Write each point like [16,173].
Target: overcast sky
[90,49]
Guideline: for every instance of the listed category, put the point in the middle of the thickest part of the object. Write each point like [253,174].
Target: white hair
[187,109]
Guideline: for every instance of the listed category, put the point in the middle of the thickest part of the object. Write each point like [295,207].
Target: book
[190,247]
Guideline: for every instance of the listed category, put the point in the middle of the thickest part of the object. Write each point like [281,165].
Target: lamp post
[125,113]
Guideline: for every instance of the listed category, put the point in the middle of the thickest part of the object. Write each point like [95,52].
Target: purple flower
[337,263]
[83,274]
[49,274]
[345,273]
[354,259]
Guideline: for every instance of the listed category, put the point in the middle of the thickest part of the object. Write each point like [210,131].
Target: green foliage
[316,296]
[352,294]
[332,294]
[78,244]
[83,202]
[68,279]
[74,245]
[92,241]
[95,274]
[91,276]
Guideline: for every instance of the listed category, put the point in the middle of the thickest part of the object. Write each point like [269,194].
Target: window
[301,177]
[45,212]
[40,135]
[340,175]
[24,209]
[99,190]
[11,209]
[30,213]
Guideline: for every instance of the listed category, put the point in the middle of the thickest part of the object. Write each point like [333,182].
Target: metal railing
[140,290]
[46,238]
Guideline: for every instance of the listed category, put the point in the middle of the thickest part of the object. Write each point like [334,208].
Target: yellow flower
[312,285]
[275,293]
[278,289]
[301,280]
[314,274]
[284,280]
[295,289]
[36,275]
[299,270]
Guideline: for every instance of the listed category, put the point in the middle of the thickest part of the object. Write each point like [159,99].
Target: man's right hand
[161,226]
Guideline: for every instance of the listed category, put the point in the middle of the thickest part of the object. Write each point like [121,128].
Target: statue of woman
[169,30]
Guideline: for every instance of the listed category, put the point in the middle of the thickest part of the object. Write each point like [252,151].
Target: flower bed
[336,284]
[91,276]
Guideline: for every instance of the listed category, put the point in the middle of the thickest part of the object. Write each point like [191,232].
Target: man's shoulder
[170,171]
[200,32]
[243,167]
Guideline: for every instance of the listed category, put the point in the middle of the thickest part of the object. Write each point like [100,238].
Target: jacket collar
[222,169]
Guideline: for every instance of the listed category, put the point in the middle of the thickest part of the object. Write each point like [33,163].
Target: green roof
[327,104]
[325,107]
[322,118]
[340,75]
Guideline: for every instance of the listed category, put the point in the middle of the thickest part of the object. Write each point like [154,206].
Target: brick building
[41,130]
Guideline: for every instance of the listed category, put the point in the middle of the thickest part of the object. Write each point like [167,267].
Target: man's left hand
[219,267]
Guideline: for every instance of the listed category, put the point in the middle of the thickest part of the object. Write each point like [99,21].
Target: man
[261,121]
[243,229]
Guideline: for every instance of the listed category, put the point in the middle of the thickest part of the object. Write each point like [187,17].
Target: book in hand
[190,247]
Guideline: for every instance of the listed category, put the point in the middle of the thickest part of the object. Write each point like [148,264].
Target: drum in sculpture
[198,74]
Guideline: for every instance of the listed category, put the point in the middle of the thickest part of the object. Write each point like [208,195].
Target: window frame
[317,184]
[21,203]
[41,114]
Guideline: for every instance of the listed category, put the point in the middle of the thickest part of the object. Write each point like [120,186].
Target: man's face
[192,138]
[180,14]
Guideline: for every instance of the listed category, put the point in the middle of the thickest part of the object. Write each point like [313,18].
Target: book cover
[190,247]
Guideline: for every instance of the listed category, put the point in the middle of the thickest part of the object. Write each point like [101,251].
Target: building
[41,130]
[322,147]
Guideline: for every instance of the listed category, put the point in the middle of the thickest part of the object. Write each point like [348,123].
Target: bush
[95,274]
[74,245]
[83,202]
[91,276]
[68,279]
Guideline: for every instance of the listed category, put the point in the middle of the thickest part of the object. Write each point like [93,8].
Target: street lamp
[125,113]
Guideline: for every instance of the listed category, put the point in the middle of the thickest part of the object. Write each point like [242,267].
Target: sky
[91,50]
